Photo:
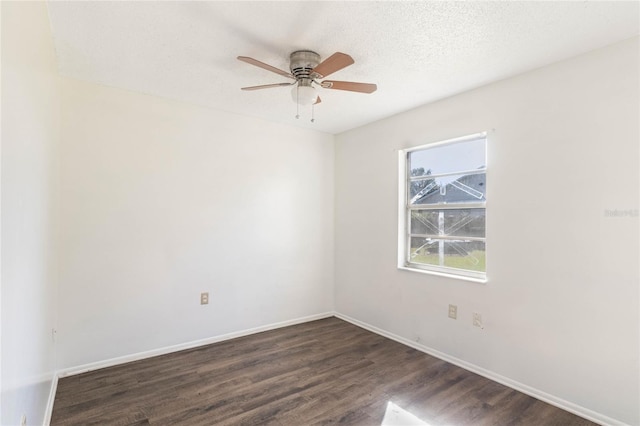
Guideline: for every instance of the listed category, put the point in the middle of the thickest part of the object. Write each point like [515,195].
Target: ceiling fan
[307,71]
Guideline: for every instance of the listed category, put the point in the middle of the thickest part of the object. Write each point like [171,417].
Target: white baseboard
[182,346]
[52,396]
[536,393]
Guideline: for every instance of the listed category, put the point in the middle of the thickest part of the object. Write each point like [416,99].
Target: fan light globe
[304,95]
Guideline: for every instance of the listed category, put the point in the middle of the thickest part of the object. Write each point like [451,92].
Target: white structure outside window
[443,208]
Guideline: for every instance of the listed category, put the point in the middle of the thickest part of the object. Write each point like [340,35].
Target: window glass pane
[454,157]
[458,222]
[460,254]
[449,189]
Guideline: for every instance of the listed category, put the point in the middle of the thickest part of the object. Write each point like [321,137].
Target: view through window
[444,206]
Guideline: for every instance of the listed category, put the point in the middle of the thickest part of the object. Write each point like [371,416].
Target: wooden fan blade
[268,86]
[333,63]
[267,67]
[350,86]
[317,101]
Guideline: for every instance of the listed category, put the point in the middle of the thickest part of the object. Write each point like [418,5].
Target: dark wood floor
[321,372]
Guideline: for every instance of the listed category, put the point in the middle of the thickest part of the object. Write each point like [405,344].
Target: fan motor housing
[302,62]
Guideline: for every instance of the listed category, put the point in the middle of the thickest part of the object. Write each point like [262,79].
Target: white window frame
[404,214]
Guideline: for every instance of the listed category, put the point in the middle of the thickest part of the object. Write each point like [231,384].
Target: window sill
[443,274]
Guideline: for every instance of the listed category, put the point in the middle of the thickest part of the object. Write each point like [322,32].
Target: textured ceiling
[416,52]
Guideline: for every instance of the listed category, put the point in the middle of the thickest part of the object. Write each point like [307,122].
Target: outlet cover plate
[477,320]
[453,311]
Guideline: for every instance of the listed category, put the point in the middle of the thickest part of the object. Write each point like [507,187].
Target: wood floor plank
[321,372]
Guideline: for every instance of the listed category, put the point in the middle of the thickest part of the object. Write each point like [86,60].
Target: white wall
[30,129]
[561,306]
[161,201]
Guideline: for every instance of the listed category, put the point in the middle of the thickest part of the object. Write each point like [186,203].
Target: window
[442,207]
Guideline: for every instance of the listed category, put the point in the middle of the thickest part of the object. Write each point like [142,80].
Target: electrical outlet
[23,420]
[477,320]
[204,298]
[453,311]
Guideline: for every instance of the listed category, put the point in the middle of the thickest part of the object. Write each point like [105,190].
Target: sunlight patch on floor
[396,416]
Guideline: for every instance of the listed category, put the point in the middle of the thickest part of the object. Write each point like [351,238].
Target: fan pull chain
[297,102]
[313,119]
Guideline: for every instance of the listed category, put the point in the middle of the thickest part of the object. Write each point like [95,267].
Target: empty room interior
[373,213]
